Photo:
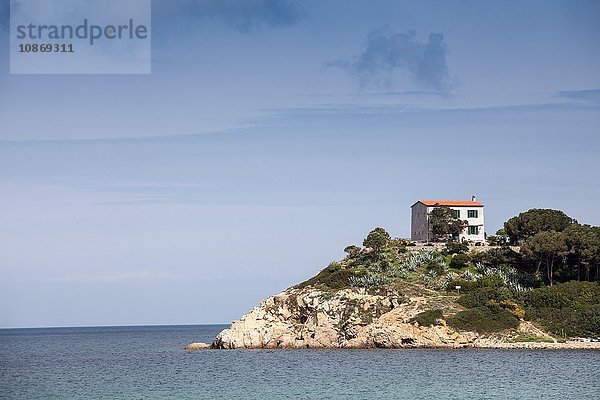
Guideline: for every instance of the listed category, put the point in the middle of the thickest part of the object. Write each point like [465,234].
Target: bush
[459,261]
[333,277]
[465,286]
[511,306]
[429,317]
[484,319]
[501,256]
[491,281]
[572,308]
[352,251]
[366,281]
[456,248]
[483,295]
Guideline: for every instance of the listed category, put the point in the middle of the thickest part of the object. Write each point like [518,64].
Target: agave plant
[368,280]
[470,276]
[413,260]
[512,278]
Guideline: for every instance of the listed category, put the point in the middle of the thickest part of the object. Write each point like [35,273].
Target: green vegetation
[332,277]
[427,318]
[444,223]
[571,309]
[459,261]
[529,223]
[377,239]
[484,319]
[483,295]
[456,248]
[498,287]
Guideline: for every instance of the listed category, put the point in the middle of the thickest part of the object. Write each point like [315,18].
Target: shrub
[483,295]
[456,248]
[572,308]
[368,280]
[512,307]
[500,256]
[465,286]
[352,251]
[459,261]
[436,265]
[484,319]
[333,277]
[491,281]
[429,317]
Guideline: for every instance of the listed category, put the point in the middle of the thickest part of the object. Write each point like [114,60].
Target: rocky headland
[392,294]
[355,319]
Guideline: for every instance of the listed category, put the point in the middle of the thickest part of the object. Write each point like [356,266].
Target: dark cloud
[387,60]
[241,15]
[589,95]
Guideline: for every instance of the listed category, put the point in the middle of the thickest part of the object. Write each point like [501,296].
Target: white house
[470,211]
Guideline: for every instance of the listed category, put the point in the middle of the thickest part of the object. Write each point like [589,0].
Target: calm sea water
[149,362]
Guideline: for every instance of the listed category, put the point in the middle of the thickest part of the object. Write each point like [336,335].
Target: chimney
[473,198]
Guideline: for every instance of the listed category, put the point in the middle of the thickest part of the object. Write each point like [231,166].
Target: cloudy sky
[273,133]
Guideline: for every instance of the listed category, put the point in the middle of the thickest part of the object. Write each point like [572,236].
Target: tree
[502,237]
[583,242]
[443,223]
[377,239]
[352,250]
[529,223]
[455,248]
[546,248]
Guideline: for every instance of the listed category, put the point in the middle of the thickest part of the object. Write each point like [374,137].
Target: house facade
[470,211]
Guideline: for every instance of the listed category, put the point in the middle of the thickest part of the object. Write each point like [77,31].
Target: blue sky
[270,135]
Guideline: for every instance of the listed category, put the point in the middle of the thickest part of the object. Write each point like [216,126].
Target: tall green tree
[529,223]
[377,239]
[583,242]
[546,249]
[443,223]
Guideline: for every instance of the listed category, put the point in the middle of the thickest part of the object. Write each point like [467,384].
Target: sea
[149,362]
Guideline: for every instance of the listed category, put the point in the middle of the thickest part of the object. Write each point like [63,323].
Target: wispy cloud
[589,95]
[389,59]
[241,15]
[117,276]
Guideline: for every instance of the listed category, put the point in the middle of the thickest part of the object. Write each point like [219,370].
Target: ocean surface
[149,362]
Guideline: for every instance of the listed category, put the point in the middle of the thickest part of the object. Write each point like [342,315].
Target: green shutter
[472,230]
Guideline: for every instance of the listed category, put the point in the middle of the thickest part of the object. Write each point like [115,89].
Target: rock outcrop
[353,318]
[349,318]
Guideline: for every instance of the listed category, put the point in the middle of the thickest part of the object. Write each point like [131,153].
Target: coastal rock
[354,319]
[197,346]
[349,318]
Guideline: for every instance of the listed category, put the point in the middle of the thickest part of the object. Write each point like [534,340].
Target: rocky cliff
[389,294]
[349,318]
[354,318]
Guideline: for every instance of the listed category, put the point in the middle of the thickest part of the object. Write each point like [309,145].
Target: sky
[273,133]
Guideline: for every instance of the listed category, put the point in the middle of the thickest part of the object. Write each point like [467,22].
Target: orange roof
[451,203]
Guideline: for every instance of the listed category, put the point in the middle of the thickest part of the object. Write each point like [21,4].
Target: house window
[473,230]
[456,213]
[472,214]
